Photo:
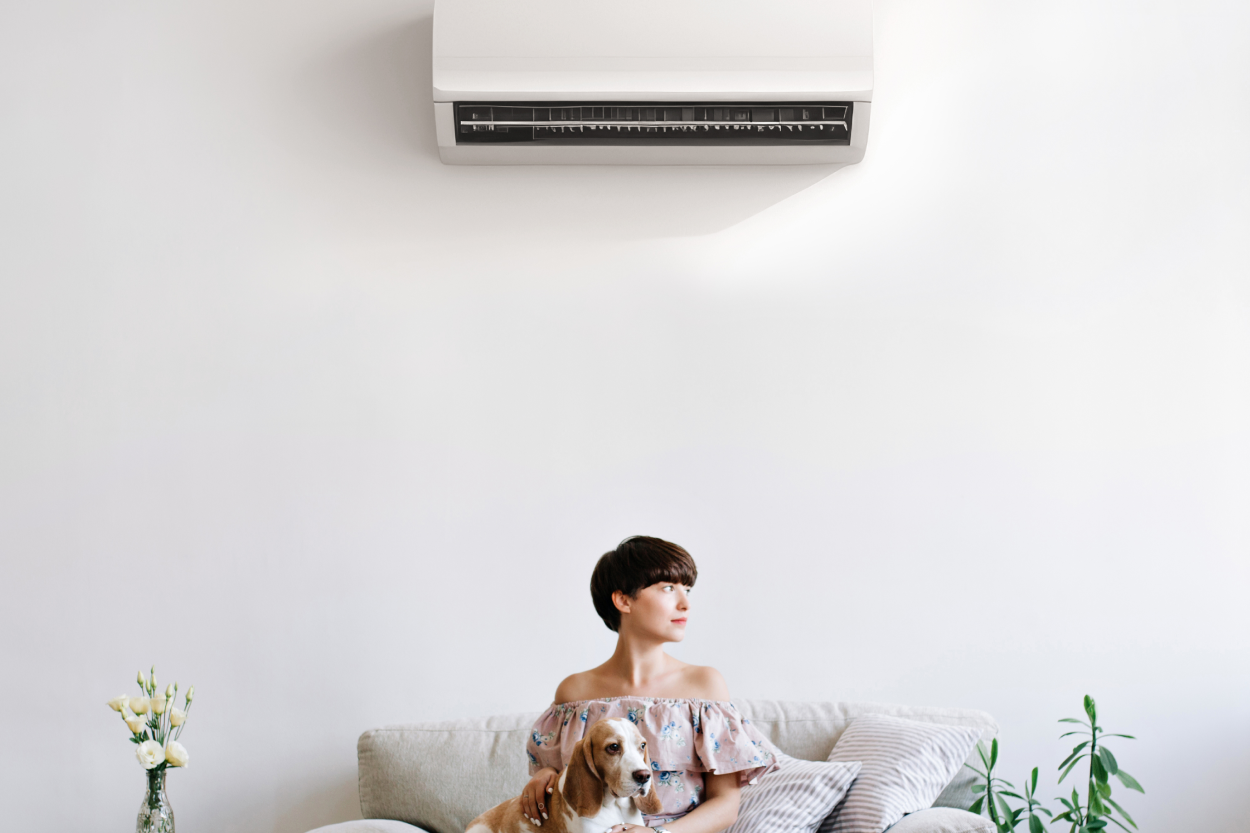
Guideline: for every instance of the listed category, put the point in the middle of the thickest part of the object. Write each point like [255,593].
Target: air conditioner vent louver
[655,123]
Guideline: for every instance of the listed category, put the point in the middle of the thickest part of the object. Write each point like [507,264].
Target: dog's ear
[649,802]
[589,754]
[583,789]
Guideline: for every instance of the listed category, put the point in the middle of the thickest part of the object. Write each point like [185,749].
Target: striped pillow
[906,765]
[794,798]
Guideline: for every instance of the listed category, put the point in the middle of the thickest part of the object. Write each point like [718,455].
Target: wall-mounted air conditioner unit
[652,82]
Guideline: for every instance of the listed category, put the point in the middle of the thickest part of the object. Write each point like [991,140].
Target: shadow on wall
[316,805]
[372,114]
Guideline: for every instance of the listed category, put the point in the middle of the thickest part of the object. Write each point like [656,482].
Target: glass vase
[155,814]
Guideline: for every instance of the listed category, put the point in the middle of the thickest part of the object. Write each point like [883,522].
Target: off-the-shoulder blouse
[685,738]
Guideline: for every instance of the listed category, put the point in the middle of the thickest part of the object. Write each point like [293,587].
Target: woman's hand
[627,828]
[534,796]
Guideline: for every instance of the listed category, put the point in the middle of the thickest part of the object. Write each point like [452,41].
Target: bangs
[675,571]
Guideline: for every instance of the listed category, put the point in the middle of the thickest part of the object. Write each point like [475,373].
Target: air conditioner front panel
[647,152]
[652,80]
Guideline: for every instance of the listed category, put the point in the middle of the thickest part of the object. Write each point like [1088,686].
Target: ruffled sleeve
[725,741]
[543,746]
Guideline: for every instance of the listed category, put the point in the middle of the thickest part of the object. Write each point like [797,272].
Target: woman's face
[659,610]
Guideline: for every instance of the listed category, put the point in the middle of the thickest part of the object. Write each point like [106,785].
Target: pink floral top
[685,738]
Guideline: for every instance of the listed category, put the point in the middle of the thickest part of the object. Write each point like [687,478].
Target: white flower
[170,689]
[158,704]
[119,702]
[176,754]
[177,717]
[150,754]
[134,723]
[139,705]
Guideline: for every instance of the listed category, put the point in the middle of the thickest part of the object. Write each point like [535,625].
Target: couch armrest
[369,826]
[943,820]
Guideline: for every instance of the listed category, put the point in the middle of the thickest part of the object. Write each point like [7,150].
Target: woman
[701,748]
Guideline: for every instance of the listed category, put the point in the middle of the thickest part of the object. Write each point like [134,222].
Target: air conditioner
[652,82]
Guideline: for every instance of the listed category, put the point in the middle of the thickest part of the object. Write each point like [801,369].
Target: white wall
[335,432]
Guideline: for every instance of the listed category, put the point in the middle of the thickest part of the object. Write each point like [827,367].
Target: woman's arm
[716,812]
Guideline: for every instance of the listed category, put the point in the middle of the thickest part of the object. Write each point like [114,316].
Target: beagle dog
[608,781]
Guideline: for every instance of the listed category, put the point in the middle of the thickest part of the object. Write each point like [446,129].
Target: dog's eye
[614,748]
[644,745]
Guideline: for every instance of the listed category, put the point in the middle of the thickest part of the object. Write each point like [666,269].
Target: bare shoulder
[706,683]
[575,687]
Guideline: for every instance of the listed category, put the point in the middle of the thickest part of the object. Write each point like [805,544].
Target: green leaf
[977,771]
[1069,769]
[984,758]
[1074,753]
[1100,772]
[1011,794]
[1069,734]
[1091,709]
[1034,787]
[976,806]
[1121,809]
[1096,807]
[1048,813]
[1130,737]
[1108,760]
[1129,781]
[1072,720]
[993,753]
[1104,789]
[1035,825]
[1116,822]
[978,788]
[1067,803]
[1002,805]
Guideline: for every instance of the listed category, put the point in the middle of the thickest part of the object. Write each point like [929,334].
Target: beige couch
[436,777]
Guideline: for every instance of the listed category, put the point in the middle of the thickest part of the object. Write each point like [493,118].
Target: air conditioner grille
[752,123]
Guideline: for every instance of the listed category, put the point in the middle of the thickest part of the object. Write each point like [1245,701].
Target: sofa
[436,777]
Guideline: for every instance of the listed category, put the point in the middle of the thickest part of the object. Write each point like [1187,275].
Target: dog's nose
[642,776]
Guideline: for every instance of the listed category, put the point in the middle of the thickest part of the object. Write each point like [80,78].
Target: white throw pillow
[942,820]
[906,765]
[794,798]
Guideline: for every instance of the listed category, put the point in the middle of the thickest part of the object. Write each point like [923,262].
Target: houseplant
[1098,809]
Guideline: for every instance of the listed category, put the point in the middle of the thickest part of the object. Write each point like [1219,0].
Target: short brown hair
[636,563]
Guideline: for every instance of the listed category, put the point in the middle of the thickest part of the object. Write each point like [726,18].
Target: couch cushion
[943,820]
[795,798]
[439,776]
[906,765]
[369,826]
[808,729]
